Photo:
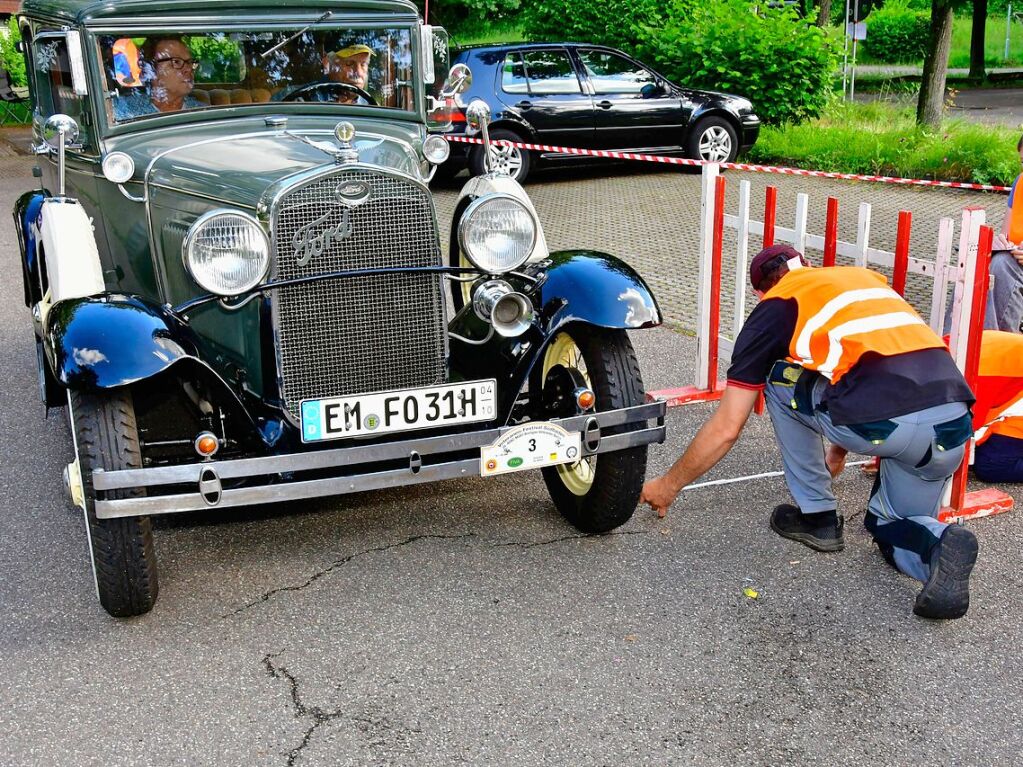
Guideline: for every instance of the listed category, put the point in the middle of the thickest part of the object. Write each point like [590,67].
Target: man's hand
[1018,255]
[659,495]
[1001,242]
[835,459]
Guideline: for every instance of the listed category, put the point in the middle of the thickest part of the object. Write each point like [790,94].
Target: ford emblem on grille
[316,236]
[352,192]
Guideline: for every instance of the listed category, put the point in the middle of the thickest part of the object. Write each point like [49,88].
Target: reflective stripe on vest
[845,312]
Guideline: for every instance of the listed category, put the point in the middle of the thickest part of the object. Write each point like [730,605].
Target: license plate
[530,446]
[382,412]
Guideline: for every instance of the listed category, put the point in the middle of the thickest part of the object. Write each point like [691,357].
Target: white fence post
[741,260]
[863,234]
[973,219]
[802,206]
[939,300]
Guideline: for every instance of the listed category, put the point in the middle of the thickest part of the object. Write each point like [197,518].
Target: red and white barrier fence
[969,273]
[609,154]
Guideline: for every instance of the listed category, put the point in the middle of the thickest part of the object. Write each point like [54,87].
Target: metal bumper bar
[271,477]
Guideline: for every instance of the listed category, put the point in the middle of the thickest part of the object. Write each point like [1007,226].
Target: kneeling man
[840,354]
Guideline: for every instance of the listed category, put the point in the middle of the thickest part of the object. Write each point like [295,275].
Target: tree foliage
[617,23]
[779,60]
[10,59]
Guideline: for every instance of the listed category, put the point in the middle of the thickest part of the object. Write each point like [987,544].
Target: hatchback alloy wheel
[715,144]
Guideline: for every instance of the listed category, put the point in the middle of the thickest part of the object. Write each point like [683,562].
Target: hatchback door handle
[605,104]
[524,105]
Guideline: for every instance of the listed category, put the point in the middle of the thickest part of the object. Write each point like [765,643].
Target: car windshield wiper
[300,32]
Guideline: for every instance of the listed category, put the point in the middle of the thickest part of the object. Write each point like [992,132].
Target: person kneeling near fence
[998,414]
[840,354]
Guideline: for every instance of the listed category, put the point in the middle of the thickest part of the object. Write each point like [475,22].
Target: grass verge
[881,139]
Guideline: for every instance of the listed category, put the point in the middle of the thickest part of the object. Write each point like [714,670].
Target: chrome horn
[509,312]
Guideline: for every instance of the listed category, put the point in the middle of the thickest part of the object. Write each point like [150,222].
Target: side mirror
[60,132]
[652,91]
[477,118]
[458,81]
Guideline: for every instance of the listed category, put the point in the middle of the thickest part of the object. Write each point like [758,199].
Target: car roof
[524,46]
[81,11]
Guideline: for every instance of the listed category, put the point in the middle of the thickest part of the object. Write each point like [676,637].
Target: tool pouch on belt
[954,433]
[800,380]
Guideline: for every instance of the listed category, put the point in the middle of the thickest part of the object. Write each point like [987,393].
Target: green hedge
[897,32]
[11,60]
[617,23]
[783,63]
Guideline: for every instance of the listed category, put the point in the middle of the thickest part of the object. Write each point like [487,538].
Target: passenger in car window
[168,72]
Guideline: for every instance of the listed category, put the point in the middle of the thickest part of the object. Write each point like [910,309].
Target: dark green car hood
[236,165]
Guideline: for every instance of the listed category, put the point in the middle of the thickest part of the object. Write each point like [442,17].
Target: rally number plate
[382,412]
[530,446]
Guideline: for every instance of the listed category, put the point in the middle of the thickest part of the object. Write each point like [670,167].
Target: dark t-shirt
[876,388]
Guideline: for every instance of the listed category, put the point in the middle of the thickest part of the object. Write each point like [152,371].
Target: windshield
[174,72]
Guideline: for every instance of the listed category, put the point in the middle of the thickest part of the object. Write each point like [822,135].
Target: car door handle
[605,104]
[524,105]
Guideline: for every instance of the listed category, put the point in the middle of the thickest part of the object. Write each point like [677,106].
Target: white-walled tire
[599,493]
[123,559]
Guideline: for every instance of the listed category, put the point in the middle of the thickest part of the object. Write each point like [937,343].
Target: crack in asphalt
[268,595]
[302,711]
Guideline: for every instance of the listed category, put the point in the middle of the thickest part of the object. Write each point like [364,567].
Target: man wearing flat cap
[839,354]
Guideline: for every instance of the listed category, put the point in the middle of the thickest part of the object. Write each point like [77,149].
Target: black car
[591,96]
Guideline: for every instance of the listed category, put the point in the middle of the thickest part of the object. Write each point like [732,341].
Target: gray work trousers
[1004,307]
[914,470]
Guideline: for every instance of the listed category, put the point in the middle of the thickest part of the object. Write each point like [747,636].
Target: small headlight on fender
[497,233]
[226,252]
[118,167]
[436,149]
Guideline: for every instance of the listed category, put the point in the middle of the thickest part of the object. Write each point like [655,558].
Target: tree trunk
[932,88]
[824,13]
[977,39]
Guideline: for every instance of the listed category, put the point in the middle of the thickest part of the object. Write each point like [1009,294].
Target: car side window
[550,73]
[513,75]
[611,73]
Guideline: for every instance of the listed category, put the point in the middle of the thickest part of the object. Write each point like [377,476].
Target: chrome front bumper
[198,486]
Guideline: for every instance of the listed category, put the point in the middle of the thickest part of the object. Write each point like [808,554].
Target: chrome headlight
[497,233]
[226,252]
[436,149]
[118,167]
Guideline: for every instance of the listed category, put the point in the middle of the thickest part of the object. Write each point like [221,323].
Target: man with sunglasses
[169,72]
[839,354]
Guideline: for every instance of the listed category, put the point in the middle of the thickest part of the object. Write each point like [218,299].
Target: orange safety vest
[1000,386]
[846,312]
[1016,214]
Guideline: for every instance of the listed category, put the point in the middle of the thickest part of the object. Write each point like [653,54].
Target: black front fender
[26,218]
[102,342]
[572,287]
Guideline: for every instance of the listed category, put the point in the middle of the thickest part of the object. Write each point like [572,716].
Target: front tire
[123,558]
[515,162]
[600,492]
[712,139]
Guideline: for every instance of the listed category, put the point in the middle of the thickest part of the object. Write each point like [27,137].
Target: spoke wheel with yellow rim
[599,492]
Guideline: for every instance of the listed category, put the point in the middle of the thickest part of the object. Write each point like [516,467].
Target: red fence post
[902,252]
[715,281]
[831,233]
[973,339]
[770,208]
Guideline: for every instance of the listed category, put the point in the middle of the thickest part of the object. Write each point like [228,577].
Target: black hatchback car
[592,97]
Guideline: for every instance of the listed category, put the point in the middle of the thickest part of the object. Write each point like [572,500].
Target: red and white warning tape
[611,155]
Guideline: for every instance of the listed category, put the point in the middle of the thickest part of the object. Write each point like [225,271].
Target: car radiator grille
[348,336]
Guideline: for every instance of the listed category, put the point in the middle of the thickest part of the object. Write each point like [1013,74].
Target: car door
[544,89]
[633,107]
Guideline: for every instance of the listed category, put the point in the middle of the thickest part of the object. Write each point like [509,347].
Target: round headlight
[118,167]
[226,252]
[497,233]
[436,149]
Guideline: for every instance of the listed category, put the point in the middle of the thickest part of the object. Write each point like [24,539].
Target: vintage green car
[239,292]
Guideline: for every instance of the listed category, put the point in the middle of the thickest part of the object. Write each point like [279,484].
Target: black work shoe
[821,531]
[947,591]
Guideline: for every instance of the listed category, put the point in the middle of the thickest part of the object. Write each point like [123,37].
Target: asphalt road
[466,623]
